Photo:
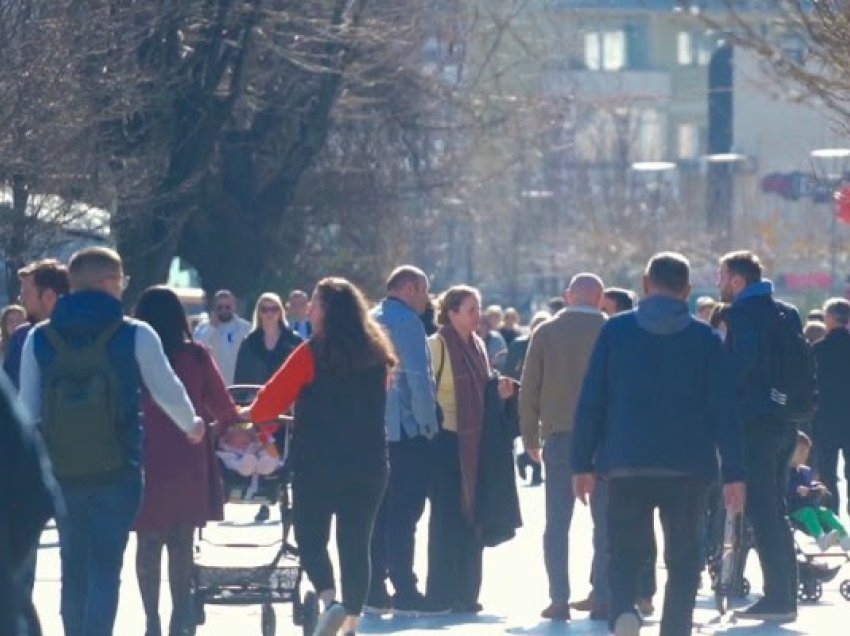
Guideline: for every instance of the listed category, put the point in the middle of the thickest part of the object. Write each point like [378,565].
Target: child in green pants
[804,501]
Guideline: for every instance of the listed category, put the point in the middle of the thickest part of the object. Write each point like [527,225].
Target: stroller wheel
[311,613]
[845,589]
[809,591]
[268,620]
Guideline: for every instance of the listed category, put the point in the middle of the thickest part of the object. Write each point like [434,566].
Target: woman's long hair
[273,298]
[350,339]
[161,309]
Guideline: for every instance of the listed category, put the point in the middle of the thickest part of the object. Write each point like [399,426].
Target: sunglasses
[223,308]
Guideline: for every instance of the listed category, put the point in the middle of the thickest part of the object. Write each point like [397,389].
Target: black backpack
[793,385]
[81,413]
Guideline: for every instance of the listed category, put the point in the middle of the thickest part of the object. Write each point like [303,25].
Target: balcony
[628,86]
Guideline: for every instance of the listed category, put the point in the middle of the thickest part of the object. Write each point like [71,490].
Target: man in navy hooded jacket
[769,434]
[656,407]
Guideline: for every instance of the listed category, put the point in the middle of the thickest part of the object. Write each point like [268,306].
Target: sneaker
[417,605]
[585,605]
[645,607]
[764,610]
[627,624]
[262,514]
[330,620]
[557,611]
[826,541]
[378,603]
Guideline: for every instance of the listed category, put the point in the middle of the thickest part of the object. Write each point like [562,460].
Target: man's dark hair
[669,271]
[839,309]
[403,275]
[744,264]
[623,299]
[47,274]
[556,304]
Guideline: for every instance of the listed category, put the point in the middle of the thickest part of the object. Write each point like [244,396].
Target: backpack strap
[56,341]
[442,361]
[107,334]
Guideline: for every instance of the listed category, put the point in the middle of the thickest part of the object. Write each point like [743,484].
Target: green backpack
[81,413]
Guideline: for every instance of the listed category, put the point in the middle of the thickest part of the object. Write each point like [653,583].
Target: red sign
[809,280]
[842,201]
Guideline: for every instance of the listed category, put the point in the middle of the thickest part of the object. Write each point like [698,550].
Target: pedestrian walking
[769,434]
[656,437]
[411,422]
[182,481]
[337,381]
[223,333]
[551,380]
[12,317]
[95,442]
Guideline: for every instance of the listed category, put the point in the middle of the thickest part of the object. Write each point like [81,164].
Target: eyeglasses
[269,309]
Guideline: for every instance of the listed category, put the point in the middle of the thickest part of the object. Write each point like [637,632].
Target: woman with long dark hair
[337,381]
[182,482]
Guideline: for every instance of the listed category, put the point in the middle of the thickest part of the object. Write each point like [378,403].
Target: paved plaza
[513,594]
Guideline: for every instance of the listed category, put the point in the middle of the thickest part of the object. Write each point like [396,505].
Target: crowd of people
[625,405]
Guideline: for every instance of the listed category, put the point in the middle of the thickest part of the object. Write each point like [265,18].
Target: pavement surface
[513,594]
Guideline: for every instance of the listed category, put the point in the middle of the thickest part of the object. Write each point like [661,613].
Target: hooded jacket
[658,398]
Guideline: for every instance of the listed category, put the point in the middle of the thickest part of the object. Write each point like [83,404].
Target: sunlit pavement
[513,593]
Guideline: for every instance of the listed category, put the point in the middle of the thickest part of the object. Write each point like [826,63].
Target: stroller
[816,568]
[264,583]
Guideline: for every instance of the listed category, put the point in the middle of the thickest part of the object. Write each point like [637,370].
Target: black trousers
[632,502]
[830,443]
[354,502]
[393,540]
[768,447]
[454,552]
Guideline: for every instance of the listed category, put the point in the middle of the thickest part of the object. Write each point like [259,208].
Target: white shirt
[224,340]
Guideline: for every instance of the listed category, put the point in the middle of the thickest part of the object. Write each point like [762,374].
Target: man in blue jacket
[769,435]
[411,419]
[656,407]
[101,498]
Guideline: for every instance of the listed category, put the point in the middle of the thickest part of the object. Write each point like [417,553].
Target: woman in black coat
[265,350]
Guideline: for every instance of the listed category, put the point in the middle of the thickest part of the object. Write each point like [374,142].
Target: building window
[650,135]
[605,50]
[693,49]
[688,141]
[684,49]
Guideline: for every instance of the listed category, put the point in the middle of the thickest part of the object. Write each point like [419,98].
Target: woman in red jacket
[337,381]
[182,482]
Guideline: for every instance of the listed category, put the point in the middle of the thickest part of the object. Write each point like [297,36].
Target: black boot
[523,461]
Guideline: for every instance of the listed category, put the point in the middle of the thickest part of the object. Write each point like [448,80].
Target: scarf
[470,371]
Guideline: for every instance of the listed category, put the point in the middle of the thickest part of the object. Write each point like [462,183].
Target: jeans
[393,540]
[632,501]
[559,513]
[768,447]
[599,568]
[92,537]
[354,503]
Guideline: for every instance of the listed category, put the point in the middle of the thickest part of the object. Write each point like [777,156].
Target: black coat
[832,359]
[255,364]
[27,500]
[497,513]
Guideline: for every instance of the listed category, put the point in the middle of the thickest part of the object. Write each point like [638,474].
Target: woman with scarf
[461,370]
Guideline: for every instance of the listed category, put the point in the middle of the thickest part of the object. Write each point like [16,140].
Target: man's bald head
[585,290]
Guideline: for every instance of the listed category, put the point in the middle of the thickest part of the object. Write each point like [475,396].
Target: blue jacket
[79,318]
[658,396]
[411,402]
[750,317]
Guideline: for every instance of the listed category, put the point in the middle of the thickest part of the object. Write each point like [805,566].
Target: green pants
[817,521]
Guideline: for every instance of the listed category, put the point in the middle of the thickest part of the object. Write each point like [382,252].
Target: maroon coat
[182,481]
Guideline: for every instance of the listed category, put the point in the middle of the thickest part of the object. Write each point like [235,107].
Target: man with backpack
[81,375]
[774,384]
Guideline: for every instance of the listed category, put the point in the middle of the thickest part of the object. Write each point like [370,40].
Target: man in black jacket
[832,418]
[769,434]
[26,502]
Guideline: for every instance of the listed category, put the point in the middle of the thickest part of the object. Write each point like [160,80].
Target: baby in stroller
[804,495]
[247,452]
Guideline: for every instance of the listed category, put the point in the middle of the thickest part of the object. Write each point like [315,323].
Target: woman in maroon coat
[182,482]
